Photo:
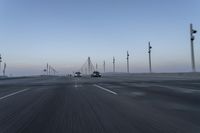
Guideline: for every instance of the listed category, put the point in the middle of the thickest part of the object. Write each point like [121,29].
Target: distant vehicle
[77,74]
[96,74]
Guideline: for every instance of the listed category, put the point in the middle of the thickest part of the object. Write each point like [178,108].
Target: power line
[87,67]
[49,69]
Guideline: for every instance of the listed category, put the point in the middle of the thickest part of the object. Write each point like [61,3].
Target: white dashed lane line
[14,93]
[112,92]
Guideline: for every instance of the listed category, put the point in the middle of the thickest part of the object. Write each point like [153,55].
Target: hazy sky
[65,32]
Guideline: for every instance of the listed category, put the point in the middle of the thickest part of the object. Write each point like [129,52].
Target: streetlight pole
[96,67]
[0,63]
[104,66]
[54,71]
[192,31]
[127,62]
[150,47]
[47,69]
[113,64]
[89,65]
[49,73]
[4,70]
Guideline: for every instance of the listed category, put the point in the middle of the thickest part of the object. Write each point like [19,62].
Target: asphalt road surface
[111,104]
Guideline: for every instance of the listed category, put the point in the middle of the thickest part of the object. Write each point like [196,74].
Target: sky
[64,33]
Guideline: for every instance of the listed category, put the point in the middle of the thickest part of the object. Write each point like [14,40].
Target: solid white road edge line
[180,89]
[14,93]
[105,89]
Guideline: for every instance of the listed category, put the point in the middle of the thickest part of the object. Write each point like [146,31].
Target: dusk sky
[65,32]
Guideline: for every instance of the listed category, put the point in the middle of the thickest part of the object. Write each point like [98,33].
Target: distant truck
[96,74]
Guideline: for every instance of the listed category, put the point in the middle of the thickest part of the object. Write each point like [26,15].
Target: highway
[111,104]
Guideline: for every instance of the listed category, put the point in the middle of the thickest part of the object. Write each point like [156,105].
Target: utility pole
[104,66]
[89,65]
[133,64]
[47,69]
[150,47]
[96,67]
[54,71]
[0,63]
[113,64]
[127,62]
[86,71]
[192,31]
[4,70]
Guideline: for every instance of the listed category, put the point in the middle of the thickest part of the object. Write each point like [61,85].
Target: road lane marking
[75,83]
[1,98]
[196,83]
[105,89]
[137,93]
[180,89]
